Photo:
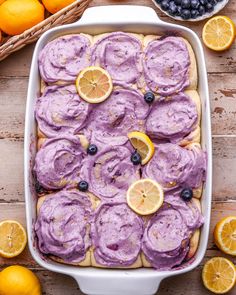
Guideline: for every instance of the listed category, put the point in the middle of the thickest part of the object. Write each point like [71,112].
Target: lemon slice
[145,196]
[225,235]
[219,275]
[94,84]
[218,33]
[13,238]
[143,144]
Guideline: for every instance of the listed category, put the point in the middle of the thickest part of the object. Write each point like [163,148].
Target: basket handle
[119,14]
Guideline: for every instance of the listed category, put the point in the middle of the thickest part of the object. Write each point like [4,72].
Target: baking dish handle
[119,14]
[128,284]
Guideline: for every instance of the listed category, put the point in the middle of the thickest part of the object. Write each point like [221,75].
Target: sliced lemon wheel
[219,275]
[13,238]
[225,235]
[143,144]
[218,33]
[94,84]
[145,196]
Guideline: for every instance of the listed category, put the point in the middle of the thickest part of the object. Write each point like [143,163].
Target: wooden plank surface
[221,67]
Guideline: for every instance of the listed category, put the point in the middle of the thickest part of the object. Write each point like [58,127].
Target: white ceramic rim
[101,19]
[218,7]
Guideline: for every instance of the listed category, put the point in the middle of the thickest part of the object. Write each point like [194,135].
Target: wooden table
[14,72]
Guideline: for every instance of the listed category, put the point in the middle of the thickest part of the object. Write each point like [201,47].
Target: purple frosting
[61,225]
[60,111]
[58,162]
[175,166]
[110,172]
[172,119]
[166,65]
[63,58]
[124,111]
[166,237]
[116,235]
[119,53]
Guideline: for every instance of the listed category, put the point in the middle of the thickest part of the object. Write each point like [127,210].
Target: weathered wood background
[14,72]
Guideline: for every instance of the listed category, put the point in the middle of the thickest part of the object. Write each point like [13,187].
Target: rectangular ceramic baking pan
[138,19]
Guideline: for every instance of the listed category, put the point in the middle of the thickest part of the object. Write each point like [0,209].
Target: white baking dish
[96,20]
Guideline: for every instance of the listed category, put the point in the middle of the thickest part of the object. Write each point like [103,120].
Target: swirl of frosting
[124,111]
[173,119]
[120,54]
[166,65]
[60,111]
[62,223]
[63,58]
[116,235]
[110,171]
[174,166]
[58,162]
[166,237]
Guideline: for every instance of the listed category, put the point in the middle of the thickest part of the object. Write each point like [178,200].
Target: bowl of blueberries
[190,10]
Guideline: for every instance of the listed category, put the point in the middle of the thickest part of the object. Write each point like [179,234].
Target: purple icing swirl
[166,65]
[120,54]
[61,225]
[60,111]
[116,235]
[63,58]
[58,162]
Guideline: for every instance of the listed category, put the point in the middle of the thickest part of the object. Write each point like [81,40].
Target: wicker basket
[67,15]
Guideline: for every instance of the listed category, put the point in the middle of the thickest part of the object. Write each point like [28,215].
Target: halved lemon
[94,84]
[13,238]
[145,196]
[219,275]
[143,144]
[225,235]
[218,33]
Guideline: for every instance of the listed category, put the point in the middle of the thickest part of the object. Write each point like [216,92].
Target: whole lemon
[18,280]
[17,16]
[1,1]
[56,5]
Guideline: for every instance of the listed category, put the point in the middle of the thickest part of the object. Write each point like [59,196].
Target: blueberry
[185,14]
[136,158]
[38,188]
[186,194]
[201,10]
[165,4]
[209,7]
[179,11]
[178,2]
[185,3]
[194,13]
[92,149]
[83,186]
[203,2]
[158,1]
[195,4]
[172,9]
[149,97]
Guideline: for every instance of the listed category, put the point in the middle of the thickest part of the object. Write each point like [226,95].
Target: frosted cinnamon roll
[167,63]
[60,111]
[124,111]
[109,172]
[174,166]
[62,226]
[116,237]
[58,162]
[175,119]
[63,58]
[167,234]
[120,54]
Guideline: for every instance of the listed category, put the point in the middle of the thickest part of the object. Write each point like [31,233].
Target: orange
[94,84]
[56,5]
[218,33]
[13,238]
[17,16]
[219,275]
[225,235]
[18,280]
[145,196]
